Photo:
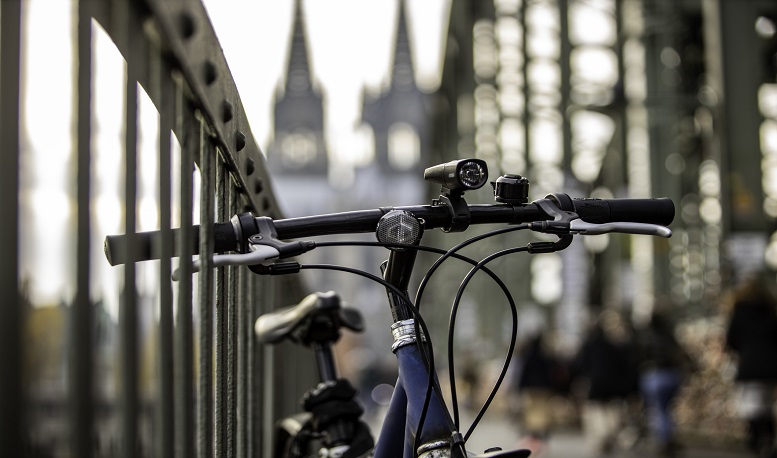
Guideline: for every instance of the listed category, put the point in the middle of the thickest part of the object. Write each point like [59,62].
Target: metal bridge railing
[216,392]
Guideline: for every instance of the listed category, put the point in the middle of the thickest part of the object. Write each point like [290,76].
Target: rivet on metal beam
[227,111]
[209,72]
[258,186]
[250,167]
[186,25]
[240,140]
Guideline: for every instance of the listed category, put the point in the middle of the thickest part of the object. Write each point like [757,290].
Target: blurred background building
[601,98]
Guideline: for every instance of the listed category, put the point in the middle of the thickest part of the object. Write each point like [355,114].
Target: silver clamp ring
[404,334]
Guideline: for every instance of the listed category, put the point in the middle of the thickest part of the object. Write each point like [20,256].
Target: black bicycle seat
[318,317]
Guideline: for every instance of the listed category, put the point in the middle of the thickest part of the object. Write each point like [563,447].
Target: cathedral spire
[298,71]
[402,74]
[399,116]
[299,148]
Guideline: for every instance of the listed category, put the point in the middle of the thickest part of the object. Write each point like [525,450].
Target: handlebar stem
[397,271]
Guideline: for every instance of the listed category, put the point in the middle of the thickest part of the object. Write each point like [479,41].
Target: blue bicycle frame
[400,426]
[397,435]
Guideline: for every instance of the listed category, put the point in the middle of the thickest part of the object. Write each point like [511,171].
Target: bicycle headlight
[458,176]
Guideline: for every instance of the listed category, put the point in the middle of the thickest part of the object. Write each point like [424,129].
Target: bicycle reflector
[458,176]
[398,227]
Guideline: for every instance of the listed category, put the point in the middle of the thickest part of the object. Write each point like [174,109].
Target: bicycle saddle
[317,318]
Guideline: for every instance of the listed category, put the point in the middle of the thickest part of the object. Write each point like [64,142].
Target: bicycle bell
[511,189]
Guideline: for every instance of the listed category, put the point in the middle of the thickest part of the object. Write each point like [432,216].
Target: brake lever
[257,254]
[579,226]
[567,222]
[260,244]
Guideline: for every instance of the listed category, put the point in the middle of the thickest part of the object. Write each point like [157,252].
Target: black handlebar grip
[651,211]
[224,238]
[148,245]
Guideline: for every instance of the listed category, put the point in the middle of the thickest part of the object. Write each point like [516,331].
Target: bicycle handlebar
[654,211]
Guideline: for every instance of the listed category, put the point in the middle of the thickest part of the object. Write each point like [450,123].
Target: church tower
[298,148]
[399,117]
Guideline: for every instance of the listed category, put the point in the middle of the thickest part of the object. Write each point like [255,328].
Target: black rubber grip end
[145,246]
[651,211]
[148,245]
[224,238]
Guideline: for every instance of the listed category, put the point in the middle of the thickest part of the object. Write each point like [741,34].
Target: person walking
[606,362]
[752,336]
[663,366]
[539,375]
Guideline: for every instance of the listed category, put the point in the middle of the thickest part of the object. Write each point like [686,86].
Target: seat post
[325,361]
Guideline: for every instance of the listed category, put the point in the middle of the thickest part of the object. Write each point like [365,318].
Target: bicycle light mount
[455,177]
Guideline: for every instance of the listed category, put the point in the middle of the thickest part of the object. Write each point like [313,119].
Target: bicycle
[418,423]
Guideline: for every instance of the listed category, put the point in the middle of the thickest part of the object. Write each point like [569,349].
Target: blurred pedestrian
[663,366]
[539,374]
[752,335]
[470,376]
[606,362]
